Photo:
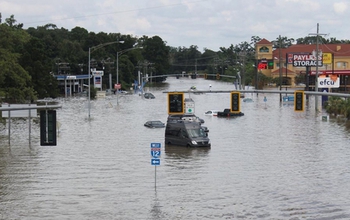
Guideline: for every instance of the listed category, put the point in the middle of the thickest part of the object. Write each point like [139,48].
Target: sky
[207,24]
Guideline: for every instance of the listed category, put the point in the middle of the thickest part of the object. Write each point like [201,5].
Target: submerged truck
[186,133]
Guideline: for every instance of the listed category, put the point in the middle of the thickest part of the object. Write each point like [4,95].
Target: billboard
[97,82]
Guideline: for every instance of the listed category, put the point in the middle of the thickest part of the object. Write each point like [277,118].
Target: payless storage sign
[303,60]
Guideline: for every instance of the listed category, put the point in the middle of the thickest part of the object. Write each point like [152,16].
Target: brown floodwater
[271,163]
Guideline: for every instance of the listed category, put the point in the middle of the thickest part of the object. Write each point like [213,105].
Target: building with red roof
[300,60]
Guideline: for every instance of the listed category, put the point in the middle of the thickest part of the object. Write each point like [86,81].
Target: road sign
[155,150]
[155,161]
[155,153]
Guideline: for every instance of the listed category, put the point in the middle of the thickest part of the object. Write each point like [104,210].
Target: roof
[264,41]
[283,71]
[338,50]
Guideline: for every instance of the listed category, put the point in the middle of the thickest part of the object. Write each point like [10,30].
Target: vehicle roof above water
[183,115]
[187,124]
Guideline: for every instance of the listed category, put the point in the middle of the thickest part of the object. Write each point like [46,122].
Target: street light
[120,53]
[92,49]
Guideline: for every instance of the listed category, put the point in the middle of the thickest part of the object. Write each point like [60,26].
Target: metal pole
[9,118]
[117,78]
[30,125]
[155,177]
[117,68]
[280,65]
[89,83]
[316,81]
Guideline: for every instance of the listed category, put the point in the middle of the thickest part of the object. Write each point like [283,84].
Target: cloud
[205,23]
[340,7]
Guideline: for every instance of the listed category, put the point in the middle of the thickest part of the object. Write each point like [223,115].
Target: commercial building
[296,65]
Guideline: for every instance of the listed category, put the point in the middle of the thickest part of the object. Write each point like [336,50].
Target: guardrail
[17,108]
[346,95]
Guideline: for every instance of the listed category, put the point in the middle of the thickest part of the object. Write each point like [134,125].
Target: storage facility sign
[304,60]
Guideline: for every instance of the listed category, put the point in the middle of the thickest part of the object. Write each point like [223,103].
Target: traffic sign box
[155,161]
[155,150]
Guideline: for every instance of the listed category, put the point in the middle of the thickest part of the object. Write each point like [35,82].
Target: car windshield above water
[194,133]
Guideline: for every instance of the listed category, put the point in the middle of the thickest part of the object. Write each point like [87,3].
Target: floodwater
[271,163]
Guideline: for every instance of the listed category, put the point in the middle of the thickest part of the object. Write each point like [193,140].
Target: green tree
[282,42]
[15,82]
[156,51]
[36,62]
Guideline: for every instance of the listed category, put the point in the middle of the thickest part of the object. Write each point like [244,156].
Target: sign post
[155,161]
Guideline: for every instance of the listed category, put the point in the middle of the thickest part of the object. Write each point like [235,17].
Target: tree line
[30,58]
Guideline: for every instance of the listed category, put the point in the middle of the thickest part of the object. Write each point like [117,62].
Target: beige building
[295,61]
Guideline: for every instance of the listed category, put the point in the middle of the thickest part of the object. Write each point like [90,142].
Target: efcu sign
[328,82]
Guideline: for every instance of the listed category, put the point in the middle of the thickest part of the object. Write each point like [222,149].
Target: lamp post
[92,49]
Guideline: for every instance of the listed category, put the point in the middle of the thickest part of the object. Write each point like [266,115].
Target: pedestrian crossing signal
[299,101]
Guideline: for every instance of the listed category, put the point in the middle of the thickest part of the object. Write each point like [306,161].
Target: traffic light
[270,64]
[48,136]
[299,101]
[217,76]
[235,102]
[176,103]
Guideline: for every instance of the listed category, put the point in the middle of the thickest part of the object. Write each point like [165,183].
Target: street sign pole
[155,153]
[155,178]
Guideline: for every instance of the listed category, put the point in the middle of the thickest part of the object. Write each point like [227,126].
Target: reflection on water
[271,163]
[177,152]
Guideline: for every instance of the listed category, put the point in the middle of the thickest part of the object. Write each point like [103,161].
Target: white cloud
[340,7]
[205,23]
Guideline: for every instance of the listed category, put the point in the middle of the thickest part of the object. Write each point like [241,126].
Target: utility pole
[317,54]
[242,56]
[280,64]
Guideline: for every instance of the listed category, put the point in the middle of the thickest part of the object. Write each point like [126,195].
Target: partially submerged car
[149,95]
[154,124]
[211,112]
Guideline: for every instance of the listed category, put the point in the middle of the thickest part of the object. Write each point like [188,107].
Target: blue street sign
[155,145]
[155,161]
[155,153]
[155,150]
